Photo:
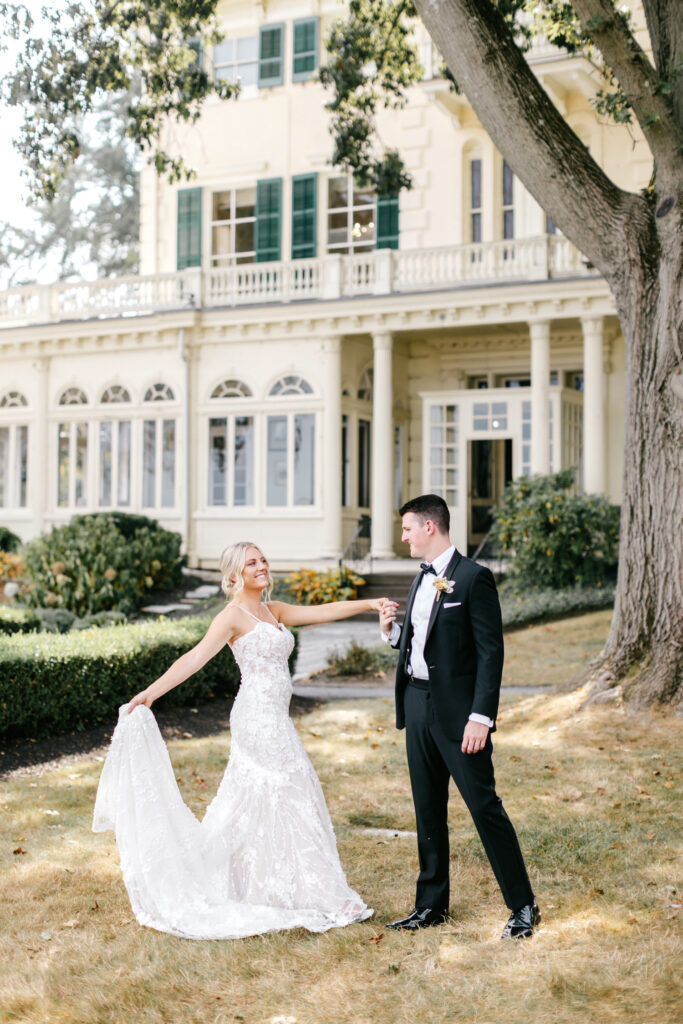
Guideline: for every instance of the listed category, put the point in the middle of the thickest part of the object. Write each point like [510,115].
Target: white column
[382,483]
[39,450]
[332,468]
[593,407]
[540,397]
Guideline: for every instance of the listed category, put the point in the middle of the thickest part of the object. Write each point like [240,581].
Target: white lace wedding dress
[264,857]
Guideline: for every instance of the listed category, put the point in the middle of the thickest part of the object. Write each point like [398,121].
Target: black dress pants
[433,758]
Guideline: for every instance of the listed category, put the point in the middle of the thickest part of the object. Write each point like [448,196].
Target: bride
[264,857]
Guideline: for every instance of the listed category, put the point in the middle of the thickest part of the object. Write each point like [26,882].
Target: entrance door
[490,469]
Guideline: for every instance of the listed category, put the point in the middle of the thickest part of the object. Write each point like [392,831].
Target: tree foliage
[94,217]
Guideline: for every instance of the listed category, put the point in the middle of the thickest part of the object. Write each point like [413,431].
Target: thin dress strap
[251,614]
[267,607]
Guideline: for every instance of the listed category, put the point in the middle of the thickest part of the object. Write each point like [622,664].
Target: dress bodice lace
[264,856]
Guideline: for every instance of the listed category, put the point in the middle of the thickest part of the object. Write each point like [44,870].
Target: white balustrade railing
[380,272]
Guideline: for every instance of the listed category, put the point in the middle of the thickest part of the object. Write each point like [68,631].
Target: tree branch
[638,79]
[665,27]
[532,136]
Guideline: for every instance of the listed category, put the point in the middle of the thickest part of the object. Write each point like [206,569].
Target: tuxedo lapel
[452,565]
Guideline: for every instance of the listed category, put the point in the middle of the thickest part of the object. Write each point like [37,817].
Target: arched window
[291,384]
[73,396]
[365,385]
[159,393]
[231,389]
[12,400]
[115,393]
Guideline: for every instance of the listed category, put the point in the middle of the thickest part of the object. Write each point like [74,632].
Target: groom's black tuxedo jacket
[463,649]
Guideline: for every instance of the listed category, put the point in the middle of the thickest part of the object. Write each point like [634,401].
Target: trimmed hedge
[18,619]
[55,683]
[519,607]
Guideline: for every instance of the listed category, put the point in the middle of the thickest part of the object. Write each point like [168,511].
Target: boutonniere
[443,586]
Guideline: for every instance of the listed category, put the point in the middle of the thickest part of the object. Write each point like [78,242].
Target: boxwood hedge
[53,683]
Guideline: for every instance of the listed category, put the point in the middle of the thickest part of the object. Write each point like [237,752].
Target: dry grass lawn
[555,651]
[594,795]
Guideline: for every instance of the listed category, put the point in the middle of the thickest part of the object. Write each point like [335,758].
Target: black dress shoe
[522,922]
[419,919]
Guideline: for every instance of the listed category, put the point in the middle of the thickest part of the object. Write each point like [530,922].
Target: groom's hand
[474,737]
[387,614]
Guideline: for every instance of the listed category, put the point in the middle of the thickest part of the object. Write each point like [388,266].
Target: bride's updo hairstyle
[233,560]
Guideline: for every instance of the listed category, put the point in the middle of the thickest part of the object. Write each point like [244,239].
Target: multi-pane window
[158,463]
[291,384]
[237,60]
[475,200]
[351,216]
[271,55]
[443,452]
[13,466]
[231,460]
[290,459]
[231,389]
[159,393]
[508,197]
[115,463]
[72,465]
[13,400]
[233,227]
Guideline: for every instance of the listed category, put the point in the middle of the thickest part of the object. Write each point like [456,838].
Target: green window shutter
[268,219]
[387,222]
[196,46]
[305,49]
[304,215]
[271,56]
[189,239]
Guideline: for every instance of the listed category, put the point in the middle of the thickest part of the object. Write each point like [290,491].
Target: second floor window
[475,200]
[233,227]
[237,60]
[351,216]
[508,202]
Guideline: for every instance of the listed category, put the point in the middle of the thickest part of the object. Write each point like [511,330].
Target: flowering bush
[102,562]
[310,587]
[558,539]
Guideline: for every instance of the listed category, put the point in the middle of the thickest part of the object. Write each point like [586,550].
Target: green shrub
[558,539]
[17,619]
[9,541]
[519,607]
[307,586]
[51,684]
[361,661]
[101,563]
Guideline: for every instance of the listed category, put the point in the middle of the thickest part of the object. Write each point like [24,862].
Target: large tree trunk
[645,646]
[636,243]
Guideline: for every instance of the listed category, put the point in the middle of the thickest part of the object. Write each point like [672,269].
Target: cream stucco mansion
[295,354]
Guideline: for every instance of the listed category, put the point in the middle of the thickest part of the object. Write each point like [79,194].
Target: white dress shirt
[419,617]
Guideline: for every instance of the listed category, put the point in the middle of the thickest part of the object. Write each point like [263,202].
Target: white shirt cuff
[393,636]
[475,717]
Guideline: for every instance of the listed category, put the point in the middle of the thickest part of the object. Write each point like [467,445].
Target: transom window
[237,60]
[73,396]
[13,399]
[233,227]
[231,389]
[490,415]
[115,393]
[159,393]
[291,384]
[351,216]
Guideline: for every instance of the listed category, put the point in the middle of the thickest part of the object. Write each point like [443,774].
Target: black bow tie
[425,568]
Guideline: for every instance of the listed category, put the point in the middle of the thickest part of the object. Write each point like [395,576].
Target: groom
[447,688]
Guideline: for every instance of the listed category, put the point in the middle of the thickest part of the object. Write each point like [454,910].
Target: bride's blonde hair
[232,565]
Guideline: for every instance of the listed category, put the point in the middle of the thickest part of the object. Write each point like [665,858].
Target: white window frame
[352,244]
[232,258]
[11,500]
[230,418]
[159,421]
[289,415]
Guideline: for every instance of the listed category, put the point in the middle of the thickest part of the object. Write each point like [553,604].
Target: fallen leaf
[649,835]
[95,906]
[187,735]
[600,790]
[641,789]
[513,757]
[374,746]
[551,767]
[669,785]
[19,839]
[597,892]
[376,939]
[656,772]
[179,780]
[18,850]
[617,804]
[616,846]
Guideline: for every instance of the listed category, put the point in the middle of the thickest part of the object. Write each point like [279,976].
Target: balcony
[378,273]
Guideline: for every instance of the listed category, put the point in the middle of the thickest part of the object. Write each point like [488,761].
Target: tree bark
[636,241]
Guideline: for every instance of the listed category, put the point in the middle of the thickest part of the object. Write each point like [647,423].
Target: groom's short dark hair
[429,506]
